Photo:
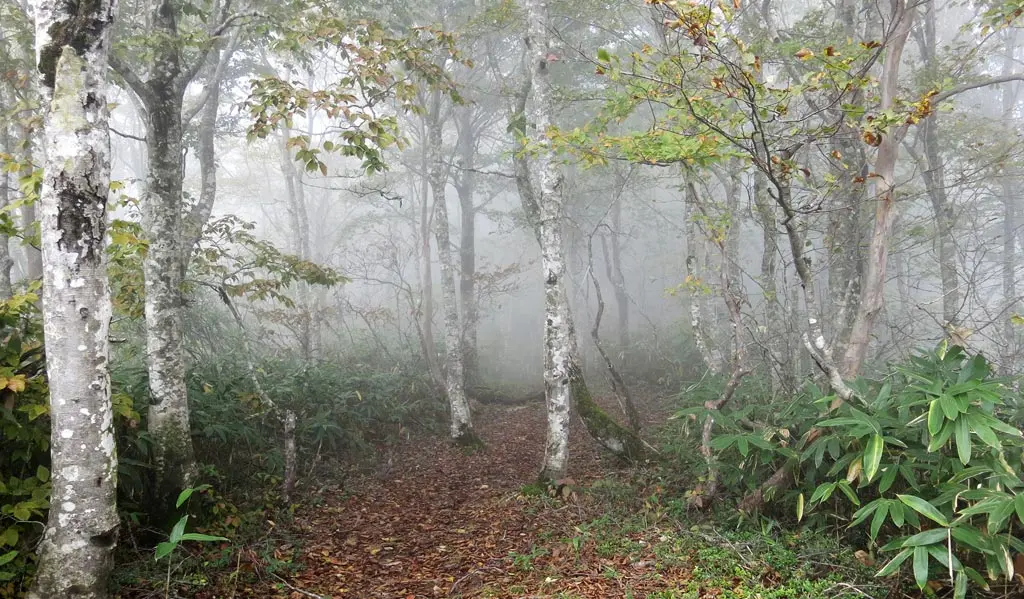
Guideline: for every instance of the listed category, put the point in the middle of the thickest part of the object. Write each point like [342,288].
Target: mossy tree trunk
[76,554]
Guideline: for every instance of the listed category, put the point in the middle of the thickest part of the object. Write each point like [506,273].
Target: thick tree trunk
[461,423]
[76,554]
[163,97]
[873,289]
[168,418]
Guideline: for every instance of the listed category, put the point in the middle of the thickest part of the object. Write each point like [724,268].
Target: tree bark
[461,421]
[163,97]
[6,263]
[427,273]
[873,289]
[934,175]
[466,188]
[76,553]
[559,363]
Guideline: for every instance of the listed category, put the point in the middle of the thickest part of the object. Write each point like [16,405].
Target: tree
[76,554]
[162,97]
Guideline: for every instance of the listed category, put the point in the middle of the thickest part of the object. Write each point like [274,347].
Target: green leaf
[928,537]
[42,473]
[971,537]
[21,512]
[183,496]
[178,530]
[863,513]
[603,55]
[1018,504]
[896,513]
[977,578]
[921,566]
[949,406]
[848,491]
[8,557]
[888,477]
[938,441]
[895,563]
[924,508]
[879,519]
[960,586]
[963,441]
[800,507]
[823,492]
[164,549]
[873,456]
[935,418]
[195,536]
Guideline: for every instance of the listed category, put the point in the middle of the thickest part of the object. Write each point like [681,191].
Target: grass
[633,542]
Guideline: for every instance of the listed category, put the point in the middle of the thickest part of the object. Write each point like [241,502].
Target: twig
[297,589]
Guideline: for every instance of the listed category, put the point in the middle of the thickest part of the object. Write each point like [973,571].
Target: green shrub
[925,462]
[25,439]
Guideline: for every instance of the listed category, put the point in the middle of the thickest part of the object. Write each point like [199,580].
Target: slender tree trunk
[873,290]
[559,363]
[697,286]
[426,268]
[619,388]
[6,263]
[934,175]
[461,423]
[466,188]
[76,553]
[613,265]
[1008,187]
[563,376]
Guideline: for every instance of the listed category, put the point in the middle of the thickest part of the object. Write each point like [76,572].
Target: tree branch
[135,83]
[949,93]
[215,77]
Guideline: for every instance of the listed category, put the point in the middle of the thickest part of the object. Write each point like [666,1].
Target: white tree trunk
[557,320]
[76,554]
[461,424]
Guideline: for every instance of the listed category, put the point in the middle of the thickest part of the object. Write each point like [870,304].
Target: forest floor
[441,521]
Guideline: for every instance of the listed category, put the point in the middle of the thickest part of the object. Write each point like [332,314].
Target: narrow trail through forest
[443,521]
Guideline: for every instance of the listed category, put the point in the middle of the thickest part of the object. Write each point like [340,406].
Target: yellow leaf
[17,384]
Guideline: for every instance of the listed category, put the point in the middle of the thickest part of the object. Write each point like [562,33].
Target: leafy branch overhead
[379,75]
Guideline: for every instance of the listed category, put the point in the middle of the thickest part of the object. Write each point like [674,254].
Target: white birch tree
[76,553]
[454,381]
[557,325]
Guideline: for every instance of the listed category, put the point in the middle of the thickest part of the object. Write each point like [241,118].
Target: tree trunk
[163,97]
[461,423]
[934,175]
[873,289]
[1008,187]
[174,458]
[6,263]
[613,266]
[559,363]
[697,286]
[76,554]
[466,189]
[427,273]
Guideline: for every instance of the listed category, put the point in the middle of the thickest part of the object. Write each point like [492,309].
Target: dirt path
[445,522]
[444,519]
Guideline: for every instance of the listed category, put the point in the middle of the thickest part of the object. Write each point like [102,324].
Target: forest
[663,299]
